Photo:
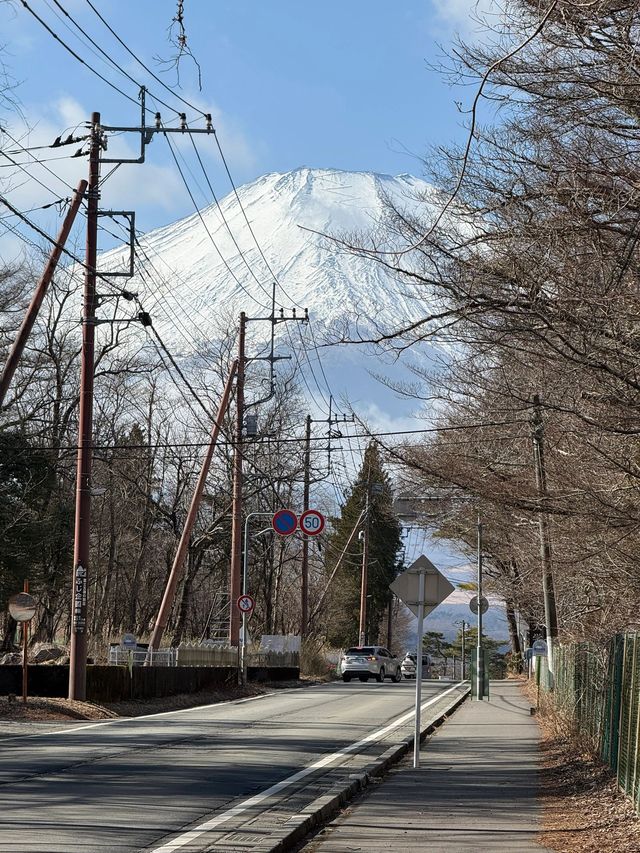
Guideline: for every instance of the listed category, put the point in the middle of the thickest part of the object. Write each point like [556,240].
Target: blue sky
[343,85]
[334,84]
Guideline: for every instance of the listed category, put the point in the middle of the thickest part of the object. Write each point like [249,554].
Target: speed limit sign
[246,604]
[311,522]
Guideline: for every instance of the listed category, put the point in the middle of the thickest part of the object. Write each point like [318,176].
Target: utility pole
[304,572]
[479,648]
[236,511]
[362,635]
[548,592]
[40,292]
[78,645]
[183,546]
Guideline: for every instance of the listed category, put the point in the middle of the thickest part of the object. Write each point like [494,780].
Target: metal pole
[479,649]
[81,548]
[36,300]
[464,665]
[183,545]
[416,734]
[304,571]
[362,638]
[25,662]
[245,573]
[236,516]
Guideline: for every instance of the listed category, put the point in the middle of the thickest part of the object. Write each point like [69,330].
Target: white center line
[193,834]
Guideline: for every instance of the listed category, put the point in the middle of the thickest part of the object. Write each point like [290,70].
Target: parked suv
[365,662]
[409,665]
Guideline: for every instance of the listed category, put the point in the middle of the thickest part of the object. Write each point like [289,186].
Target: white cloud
[31,185]
[468,18]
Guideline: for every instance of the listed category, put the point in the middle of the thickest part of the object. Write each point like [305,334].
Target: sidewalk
[475,789]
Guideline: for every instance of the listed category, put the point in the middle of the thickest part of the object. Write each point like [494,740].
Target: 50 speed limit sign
[311,522]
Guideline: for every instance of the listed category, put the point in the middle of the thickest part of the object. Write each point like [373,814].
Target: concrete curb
[325,807]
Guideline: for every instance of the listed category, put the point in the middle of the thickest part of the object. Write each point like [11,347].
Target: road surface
[197,779]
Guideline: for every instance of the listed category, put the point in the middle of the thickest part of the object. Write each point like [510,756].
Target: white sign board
[539,648]
[436,587]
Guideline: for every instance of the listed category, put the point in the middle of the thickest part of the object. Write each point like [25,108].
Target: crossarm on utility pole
[181,553]
[335,568]
[31,315]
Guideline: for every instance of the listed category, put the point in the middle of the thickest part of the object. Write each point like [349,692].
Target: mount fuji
[194,276]
[210,263]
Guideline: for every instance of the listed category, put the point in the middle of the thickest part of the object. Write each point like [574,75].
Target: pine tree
[384,546]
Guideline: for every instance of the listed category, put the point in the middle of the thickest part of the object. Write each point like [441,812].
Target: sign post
[245,605]
[422,587]
[22,608]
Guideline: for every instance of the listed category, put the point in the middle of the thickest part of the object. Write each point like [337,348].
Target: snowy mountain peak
[209,263]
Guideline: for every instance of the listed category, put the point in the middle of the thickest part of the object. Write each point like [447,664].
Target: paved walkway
[475,789]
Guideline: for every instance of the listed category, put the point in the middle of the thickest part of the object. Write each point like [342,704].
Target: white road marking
[193,834]
[82,728]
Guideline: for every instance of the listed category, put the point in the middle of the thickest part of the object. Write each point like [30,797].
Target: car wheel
[380,675]
[363,677]
[346,677]
[397,678]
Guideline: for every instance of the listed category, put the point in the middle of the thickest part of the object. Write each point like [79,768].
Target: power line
[294,440]
[142,64]
[75,55]
[104,53]
[206,228]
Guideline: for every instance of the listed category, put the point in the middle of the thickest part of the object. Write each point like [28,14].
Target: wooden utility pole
[304,571]
[548,592]
[79,622]
[40,292]
[236,512]
[183,546]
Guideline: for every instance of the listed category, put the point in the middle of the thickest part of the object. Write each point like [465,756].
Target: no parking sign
[285,522]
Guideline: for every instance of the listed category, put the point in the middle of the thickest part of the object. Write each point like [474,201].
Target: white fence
[200,655]
[137,657]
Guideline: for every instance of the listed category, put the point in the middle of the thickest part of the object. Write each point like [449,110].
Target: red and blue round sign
[246,604]
[285,522]
[312,522]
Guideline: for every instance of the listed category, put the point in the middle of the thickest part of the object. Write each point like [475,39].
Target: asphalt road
[137,784]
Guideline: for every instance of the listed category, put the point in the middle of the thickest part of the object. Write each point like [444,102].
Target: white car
[365,662]
[409,665]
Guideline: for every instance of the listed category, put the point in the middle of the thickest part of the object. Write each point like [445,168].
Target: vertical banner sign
[80,600]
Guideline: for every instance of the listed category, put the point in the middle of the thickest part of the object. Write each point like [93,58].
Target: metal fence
[137,657]
[599,690]
[192,654]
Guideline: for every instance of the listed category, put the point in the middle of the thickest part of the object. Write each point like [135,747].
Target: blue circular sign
[285,522]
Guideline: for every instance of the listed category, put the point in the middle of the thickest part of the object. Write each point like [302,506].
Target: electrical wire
[75,55]
[206,228]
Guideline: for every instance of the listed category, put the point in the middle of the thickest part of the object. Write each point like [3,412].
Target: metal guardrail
[197,655]
[137,657]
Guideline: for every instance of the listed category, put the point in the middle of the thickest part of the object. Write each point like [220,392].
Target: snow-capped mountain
[206,265]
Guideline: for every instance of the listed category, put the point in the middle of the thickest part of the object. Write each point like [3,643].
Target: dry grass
[40,709]
[583,809]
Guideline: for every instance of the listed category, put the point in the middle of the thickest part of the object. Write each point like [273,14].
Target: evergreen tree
[384,547]
[26,479]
